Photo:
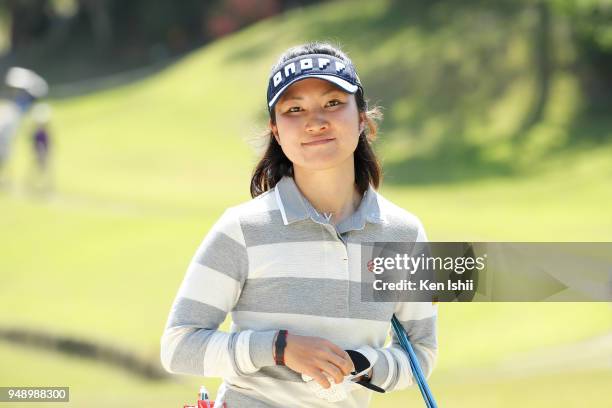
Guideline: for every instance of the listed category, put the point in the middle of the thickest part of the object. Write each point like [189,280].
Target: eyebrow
[290,96]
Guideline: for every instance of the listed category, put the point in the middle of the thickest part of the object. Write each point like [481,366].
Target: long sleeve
[392,369]
[191,343]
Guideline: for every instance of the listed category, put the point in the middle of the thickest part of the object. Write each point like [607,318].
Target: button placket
[341,252]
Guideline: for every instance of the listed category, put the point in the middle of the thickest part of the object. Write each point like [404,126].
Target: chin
[323,162]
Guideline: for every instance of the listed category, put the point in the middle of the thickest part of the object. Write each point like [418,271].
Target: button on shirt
[276,263]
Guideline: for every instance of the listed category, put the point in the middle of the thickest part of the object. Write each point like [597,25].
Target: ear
[362,122]
[274,130]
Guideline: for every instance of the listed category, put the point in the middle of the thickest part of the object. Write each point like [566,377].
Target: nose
[317,123]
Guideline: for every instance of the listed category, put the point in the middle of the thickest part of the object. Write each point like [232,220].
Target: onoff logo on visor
[313,65]
[322,63]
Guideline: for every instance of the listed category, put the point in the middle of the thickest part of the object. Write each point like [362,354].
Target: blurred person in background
[26,87]
[40,179]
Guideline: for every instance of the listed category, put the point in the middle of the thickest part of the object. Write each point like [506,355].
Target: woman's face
[317,124]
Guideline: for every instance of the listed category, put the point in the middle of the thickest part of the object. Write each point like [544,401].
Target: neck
[330,191]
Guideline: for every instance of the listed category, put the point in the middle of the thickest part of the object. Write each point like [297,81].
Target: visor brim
[341,83]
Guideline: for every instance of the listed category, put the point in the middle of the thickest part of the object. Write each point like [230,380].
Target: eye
[334,102]
[293,109]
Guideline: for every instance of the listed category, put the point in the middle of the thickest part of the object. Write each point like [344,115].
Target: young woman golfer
[287,264]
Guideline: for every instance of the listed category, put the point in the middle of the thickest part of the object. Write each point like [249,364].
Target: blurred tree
[591,22]
[97,12]
[30,21]
[543,65]
[123,33]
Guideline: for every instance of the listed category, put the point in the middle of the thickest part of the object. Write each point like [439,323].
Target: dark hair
[274,164]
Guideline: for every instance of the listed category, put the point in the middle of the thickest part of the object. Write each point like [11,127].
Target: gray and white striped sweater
[275,263]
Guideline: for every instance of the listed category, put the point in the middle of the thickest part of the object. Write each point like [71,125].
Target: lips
[318,142]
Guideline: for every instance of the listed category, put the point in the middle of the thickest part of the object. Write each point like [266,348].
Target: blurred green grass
[144,170]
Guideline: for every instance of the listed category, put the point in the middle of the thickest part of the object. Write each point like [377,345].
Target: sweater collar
[295,207]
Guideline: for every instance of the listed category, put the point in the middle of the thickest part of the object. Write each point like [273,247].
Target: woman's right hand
[314,356]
